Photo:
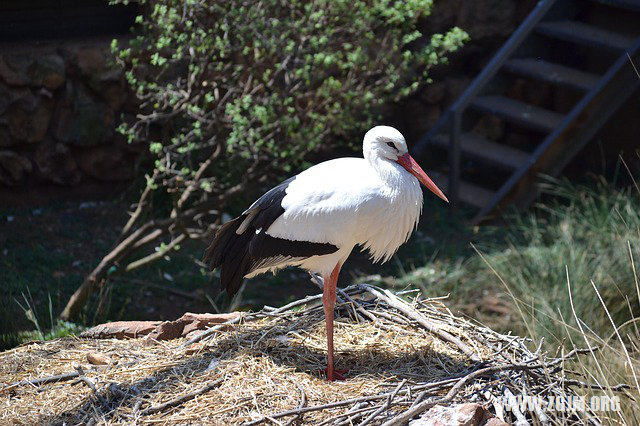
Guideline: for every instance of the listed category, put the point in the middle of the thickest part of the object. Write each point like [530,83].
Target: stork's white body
[348,202]
[315,219]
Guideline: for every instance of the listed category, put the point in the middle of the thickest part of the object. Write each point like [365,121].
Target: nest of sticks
[404,354]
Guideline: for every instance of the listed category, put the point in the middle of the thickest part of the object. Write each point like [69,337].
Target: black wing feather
[241,254]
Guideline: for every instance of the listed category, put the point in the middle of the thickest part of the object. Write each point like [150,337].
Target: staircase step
[518,112]
[577,32]
[479,147]
[623,4]
[469,193]
[553,73]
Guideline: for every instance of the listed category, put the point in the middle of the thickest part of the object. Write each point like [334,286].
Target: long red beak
[412,167]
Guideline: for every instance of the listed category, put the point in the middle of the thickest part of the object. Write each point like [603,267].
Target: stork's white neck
[390,172]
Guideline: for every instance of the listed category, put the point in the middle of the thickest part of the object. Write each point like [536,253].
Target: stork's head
[385,143]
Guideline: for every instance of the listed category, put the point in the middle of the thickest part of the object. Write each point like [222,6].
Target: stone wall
[59,106]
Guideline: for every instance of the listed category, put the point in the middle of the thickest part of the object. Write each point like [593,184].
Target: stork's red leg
[329,303]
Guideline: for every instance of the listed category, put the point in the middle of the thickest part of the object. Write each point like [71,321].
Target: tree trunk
[80,297]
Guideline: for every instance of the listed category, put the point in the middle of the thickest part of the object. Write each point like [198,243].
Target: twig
[212,330]
[181,399]
[404,417]
[398,304]
[348,416]
[430,386]
[303,403]
[87,381]
[263,313]
[386,405]
[616,388]
[358,306]
[521,420]
[42,380]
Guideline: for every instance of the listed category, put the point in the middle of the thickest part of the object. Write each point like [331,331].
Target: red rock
[494,421]
[203,321]
[455,415]
[156,330]
[120,329]
[167,330]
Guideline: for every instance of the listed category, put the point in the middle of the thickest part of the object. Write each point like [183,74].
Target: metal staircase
[541,98]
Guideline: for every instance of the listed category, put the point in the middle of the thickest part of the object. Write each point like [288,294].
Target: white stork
[314,219]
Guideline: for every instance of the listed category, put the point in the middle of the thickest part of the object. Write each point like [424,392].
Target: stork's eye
[392,145]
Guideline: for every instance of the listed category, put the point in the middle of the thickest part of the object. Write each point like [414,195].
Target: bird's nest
[403,357]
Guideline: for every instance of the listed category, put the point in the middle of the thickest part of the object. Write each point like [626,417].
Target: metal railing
[453,116]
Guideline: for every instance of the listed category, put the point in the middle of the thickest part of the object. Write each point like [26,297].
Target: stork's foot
[338,374]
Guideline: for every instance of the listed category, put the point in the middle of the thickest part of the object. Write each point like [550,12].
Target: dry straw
[403,358]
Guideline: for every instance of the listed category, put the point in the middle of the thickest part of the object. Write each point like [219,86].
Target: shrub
[236,93]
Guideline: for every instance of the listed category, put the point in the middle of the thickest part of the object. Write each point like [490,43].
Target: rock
[28,116]
[56,164]
[156,330]
[494,421]
[81,120]
[14,168]
[110,85]
[14,69]
[120,330]
[98,358]
[48,71]
[107,163]
[202,321]
[455,415]
[188,323]
[168,330]
[90,60]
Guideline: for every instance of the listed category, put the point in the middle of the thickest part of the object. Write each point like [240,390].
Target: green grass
[564,274]
[583,234]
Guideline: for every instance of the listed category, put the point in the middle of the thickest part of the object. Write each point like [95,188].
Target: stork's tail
[230,251]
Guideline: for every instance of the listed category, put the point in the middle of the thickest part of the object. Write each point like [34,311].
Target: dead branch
[181,399]
[424,406]
[42,380]
[398,304]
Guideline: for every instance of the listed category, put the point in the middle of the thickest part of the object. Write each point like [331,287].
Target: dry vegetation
[403,358]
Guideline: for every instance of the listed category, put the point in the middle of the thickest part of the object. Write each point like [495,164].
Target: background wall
[61,97]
